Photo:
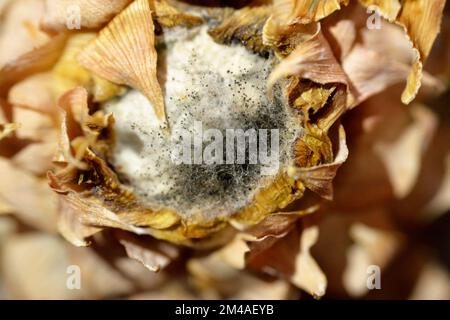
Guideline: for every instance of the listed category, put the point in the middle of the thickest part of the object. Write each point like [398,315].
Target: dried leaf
[344,33]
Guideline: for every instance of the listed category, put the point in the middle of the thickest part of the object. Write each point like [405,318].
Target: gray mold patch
[223,87]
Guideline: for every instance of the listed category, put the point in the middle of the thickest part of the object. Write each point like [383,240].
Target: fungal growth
[215,98]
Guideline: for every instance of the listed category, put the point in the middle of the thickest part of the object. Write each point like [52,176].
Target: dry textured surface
[88,120]
[221,87]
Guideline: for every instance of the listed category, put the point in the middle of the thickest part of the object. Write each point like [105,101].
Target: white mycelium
[223,87]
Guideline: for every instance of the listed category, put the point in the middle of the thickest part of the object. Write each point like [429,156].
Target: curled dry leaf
[79,129]
[319,178]
[422,31]
[311,60]
[124,54]
[61,15]
[70,226]
[290,257]
[253,241]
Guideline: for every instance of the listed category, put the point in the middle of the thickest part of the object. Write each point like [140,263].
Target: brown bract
[124,54]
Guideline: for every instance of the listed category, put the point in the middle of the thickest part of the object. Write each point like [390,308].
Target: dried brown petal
[422,30]
[124,53]
[371,72]
[153,254]
[311,60]
[245,25]
[319,178]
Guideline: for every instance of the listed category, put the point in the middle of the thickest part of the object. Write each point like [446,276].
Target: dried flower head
[153,128]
